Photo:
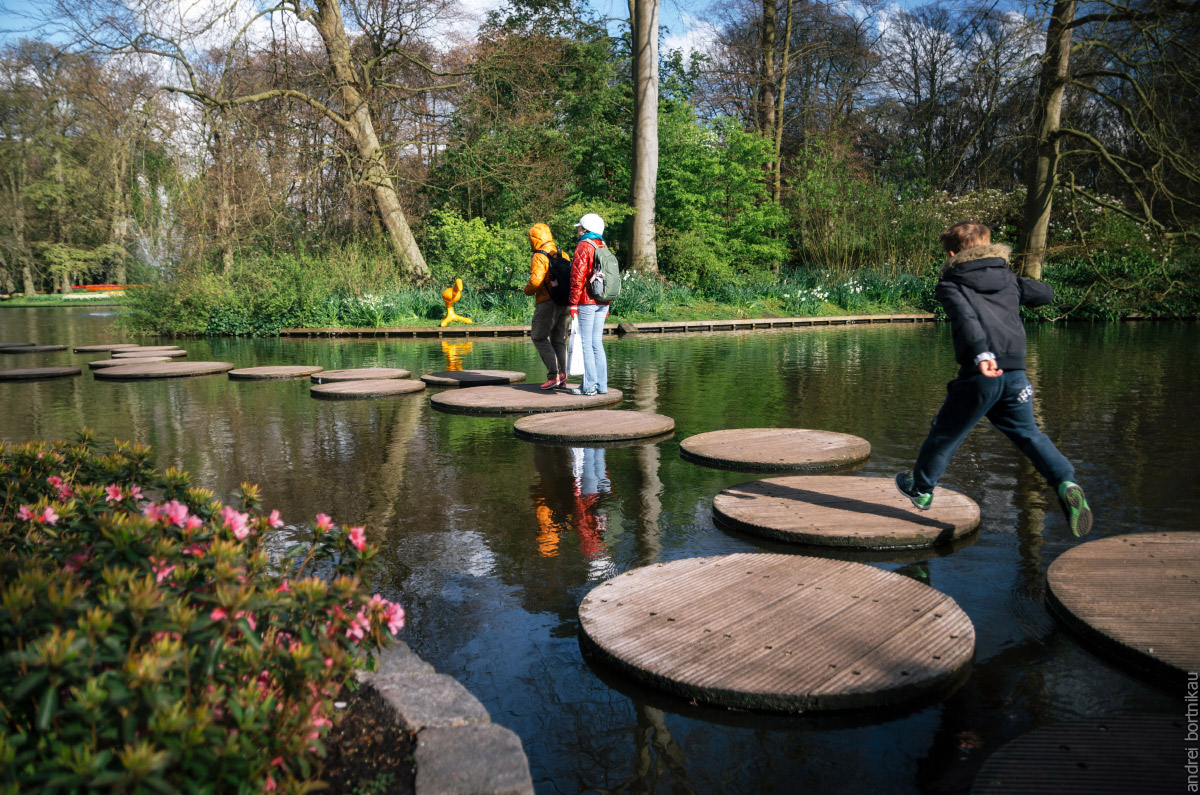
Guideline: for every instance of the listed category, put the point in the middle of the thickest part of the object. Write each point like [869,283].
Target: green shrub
[481,254]
[160,644]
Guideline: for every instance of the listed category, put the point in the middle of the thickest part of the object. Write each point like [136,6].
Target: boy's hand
[988,368]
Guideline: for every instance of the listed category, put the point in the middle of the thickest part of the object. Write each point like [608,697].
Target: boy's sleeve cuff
[986,356]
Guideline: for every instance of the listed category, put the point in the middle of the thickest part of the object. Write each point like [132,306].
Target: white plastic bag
[575,350]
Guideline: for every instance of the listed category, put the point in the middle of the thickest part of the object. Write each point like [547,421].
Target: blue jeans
[591,332]
[1007,402]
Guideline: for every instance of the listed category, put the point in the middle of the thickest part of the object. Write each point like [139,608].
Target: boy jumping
[982,298]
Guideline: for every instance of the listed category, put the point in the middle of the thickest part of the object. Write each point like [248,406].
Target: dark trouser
[549,334]
[1007,402]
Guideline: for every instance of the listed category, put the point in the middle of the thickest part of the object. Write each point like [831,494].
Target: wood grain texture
[366,389]
[772,449]
[597,425]
[469,378]
[142,372]
[518,399]
[358,374]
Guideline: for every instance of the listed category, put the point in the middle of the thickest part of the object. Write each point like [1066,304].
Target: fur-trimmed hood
[989,251]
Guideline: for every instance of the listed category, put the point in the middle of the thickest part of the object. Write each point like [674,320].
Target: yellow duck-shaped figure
[449,296]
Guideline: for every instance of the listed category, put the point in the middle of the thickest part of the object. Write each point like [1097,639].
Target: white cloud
[698,35]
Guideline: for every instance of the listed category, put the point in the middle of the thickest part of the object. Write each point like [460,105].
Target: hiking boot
[1075,508]
[921,499]
[552,382]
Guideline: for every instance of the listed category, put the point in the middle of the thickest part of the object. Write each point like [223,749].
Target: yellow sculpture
[449,296]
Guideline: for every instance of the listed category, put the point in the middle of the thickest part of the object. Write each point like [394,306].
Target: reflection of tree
[652,735]
[645,398]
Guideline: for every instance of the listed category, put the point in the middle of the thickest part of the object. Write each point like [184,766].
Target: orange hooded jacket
[540,239]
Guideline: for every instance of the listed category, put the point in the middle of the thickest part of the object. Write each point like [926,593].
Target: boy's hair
[965,235]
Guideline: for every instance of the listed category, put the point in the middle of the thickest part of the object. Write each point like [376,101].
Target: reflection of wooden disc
[170,353]
[359,374]
[35,373]
[517,399]
[781,632]
[598,425]
[844,511]
[1136,596]
[1127,753]
[361,390]
[33,348]
[461,378]
[147,359]
[104,348]
[4,345]
[272,373]
[164,370]
[774,449]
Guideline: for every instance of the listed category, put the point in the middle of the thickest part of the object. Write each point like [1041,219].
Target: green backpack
[604,285]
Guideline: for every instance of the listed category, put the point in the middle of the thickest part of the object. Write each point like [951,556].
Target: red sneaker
[562,380]
[553,381]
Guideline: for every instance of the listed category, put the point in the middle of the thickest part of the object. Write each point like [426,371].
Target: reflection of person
[590,313]
[549,328]
[983,300]
[566,496]
[591,480]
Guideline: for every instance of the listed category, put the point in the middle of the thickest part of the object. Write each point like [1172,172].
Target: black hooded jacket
[983,300]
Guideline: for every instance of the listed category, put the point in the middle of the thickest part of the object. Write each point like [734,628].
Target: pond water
[491,542]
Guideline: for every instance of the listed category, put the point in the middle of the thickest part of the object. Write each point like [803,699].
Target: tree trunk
[18,204]
[1043,164]
[777,166]
[328,21]
[118,231]
[766,85]
[644,25]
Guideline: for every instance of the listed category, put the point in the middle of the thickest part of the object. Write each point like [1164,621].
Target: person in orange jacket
[550,321]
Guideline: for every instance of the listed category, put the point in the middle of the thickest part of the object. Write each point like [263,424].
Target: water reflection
[454,353]
[568,500]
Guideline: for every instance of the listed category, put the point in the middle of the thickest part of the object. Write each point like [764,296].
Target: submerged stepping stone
[170,353]
[359,374]
[518,399]
[366,389]
[779,632]
[4,345]
[96,365]
[844,511]
[462,378]
[105,347]
[35,373]
[142,372]
[599,425]
[274,373]
[1128,753]
[33,348]
[1135,596]
[774,449]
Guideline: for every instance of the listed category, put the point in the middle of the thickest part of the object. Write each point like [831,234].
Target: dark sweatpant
[1007,402]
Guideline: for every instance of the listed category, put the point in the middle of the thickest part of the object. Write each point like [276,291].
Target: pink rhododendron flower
[236,522]
[135,491]
[274,519]
[151,511]
[323,522]
[270,785]
[55,481]
[284,587]
[358,538]
[162,570]
[175,512]
[112,493]
[393,614]
[194,549]
[48,516]
[218,614]
[25,513]
[194,523]
[76,561]
[358,627]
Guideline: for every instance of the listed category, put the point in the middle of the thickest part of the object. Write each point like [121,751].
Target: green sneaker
[1075,506]
[921,499]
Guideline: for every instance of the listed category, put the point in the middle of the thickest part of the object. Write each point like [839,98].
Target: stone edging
[459,749]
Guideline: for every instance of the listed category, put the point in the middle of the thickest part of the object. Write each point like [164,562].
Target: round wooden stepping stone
[518,399]
[154,349]
[99,363]
[170,353]
[165,370]
[774,449]
[1129,753]
[33,349]
[359,374]
[1135,596]
[104,348]
[273,373]
[4,345]
[599,425]
[779,632]
[844,511]
[366,389]
[35,373]
[462,378]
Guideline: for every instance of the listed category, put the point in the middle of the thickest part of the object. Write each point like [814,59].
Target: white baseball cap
[592,223]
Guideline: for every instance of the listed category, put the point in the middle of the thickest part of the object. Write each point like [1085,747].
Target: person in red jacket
[589,313]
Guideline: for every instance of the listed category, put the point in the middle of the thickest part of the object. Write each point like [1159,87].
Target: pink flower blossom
[393,614]
[175,512]
[274,519]
[162,570]
[359,626]
[270,785]
[194,523]
[358,538]
[25,514]
[218,614]
[48,516]
[135,491]
[151,511]
[112,493]
[284,587]
[75,562]
[323,522]
[195,549]
[236,522]
[55,481]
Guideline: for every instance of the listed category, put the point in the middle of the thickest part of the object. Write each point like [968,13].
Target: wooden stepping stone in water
[464,378]
[273,373]
[141,372]
[366,389]
[36,373]
[105,347]
[844,511]
[1135,596]
[5,345]
[100,363]
[518,399]
[153,349]
[33,349]
[598,425]
[779,632]
[1128,753]
[359,374]
[170,353]
[774,449]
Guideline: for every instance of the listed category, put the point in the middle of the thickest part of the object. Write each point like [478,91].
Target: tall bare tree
[643,18]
